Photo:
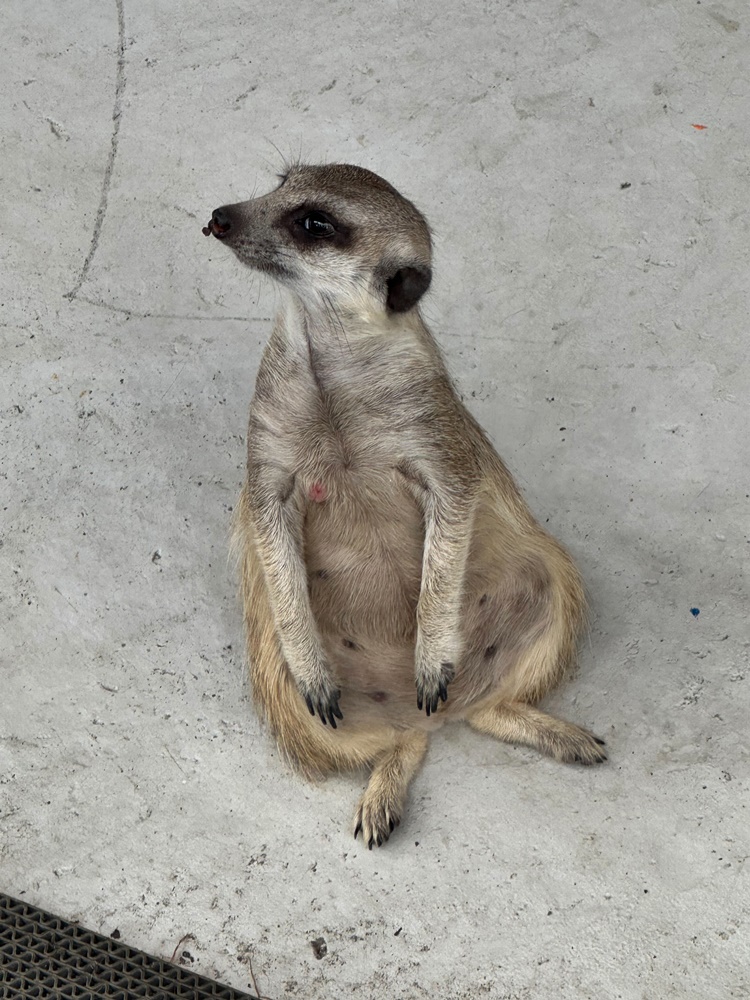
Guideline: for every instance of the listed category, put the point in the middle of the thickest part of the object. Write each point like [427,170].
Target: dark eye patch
[317,225]
[311,225]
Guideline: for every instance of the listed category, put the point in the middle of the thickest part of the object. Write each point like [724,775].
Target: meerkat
[392,576]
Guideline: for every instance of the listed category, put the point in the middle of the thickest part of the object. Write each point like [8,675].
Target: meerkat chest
[340,424]
[342,452]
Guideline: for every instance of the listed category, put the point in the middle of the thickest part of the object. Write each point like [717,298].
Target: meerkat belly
[364,541]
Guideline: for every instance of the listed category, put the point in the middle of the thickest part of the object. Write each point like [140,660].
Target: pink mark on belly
[318,492]
[379,696]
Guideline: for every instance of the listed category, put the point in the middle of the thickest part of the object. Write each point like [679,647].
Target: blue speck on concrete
[695,612]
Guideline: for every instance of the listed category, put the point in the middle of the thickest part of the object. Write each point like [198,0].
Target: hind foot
[517,722]
[380,808]
[376,818]
[573,745]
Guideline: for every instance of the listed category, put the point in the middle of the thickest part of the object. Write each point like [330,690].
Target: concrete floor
[591,294]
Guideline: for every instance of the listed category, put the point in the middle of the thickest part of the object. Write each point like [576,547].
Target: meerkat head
[333,233]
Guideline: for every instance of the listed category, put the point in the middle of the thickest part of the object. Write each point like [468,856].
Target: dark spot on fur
[518,612]
[349,644]
[288,489]
[483,599]
[322,574]
[379,696]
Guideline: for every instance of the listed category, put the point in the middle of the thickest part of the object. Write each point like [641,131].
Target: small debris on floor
[319,947]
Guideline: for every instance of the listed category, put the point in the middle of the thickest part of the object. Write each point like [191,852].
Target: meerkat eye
[318,225]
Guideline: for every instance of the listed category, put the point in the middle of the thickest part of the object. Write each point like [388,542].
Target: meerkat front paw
[322,699]
[432,686]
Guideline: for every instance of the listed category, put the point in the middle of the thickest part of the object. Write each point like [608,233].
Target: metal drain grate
[49,958]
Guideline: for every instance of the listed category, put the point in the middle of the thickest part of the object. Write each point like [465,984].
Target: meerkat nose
[219,224]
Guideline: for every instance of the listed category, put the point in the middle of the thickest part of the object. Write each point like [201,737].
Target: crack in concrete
[116,113]
[131,314]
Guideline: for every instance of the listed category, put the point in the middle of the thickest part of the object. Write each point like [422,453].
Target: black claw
[600,742]
[370,842]
[357,830]
[437,689]
[326,706]
[379,841]
[392,825]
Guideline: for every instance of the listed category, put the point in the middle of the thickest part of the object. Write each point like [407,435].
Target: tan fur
[385,551]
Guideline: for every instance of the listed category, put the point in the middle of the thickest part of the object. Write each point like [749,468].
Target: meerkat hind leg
[518,722]
[380,808]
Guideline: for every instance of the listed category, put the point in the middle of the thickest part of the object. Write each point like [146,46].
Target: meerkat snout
[336,232]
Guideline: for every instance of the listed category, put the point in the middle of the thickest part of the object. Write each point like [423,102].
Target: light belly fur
[363,552]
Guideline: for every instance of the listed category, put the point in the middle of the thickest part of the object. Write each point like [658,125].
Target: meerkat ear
[406,286]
